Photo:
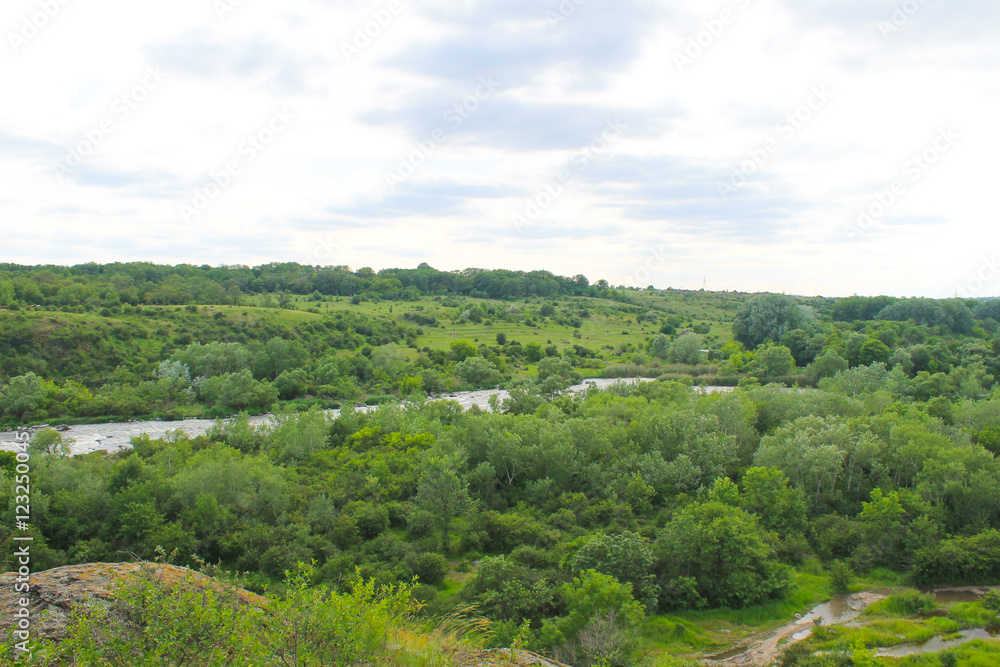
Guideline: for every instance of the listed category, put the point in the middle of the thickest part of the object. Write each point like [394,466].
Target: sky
[828,147]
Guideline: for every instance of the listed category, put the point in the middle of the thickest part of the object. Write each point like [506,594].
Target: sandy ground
[117,436]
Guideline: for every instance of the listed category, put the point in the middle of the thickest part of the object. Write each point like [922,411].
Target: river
[763,649]
[118,435]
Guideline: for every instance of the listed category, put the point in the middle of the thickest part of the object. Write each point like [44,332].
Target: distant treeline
[959,315]
[108,285]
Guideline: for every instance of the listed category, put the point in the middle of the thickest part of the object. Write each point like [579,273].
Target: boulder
[55,592]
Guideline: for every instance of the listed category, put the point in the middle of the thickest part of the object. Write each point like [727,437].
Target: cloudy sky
[820,146]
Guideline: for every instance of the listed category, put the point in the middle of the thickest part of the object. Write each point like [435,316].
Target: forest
[99,342]
[843,443]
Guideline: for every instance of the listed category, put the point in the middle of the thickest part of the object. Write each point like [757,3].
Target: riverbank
[849,613]
[116,436]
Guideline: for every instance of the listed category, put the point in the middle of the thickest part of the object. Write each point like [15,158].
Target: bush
[626,557]
[841,576]
[717,553]
[601,624]
[201,622]
[429,567]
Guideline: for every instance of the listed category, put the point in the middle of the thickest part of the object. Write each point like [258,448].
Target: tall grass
[807,591]
[630,371]
[907,602]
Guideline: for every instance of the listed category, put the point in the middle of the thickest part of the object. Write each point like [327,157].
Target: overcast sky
[733,143]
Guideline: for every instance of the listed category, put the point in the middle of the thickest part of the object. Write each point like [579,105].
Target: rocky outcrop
[55,592]
[505,657]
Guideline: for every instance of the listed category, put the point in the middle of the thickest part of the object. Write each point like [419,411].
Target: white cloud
[360,111]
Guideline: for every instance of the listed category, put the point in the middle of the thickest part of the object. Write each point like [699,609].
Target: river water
[845,609]
[117,436]
[935,644]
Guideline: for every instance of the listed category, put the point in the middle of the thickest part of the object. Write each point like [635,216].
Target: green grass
[605,326]
[973,615]
[901,619]
[675,636]
[688,631]
[883,633]
[906,602]
[807,590]
[977,653]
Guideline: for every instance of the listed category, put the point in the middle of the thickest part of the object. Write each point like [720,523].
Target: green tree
[722,552]
[214,358]
[460,350]
[881,521]
[6,293]
[772,363]
[239,391]
[687,349]
[50,442]
[442,495]
[941,408]
[778,507]
[296,436]
[841,576]
[23,396]
[766,317]
[281,355]
[873,351]
[478,372]
[811,451]
[139,520]
[291,384]
[601,622]
[660,346]
[506,590]
[627,557]
[826,366]
[390,358]
[804,347]
[555,375]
